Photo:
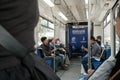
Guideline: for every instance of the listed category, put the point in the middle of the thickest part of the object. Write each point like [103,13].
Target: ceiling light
[86,1]
[63,16]
[87,13]
[50,3]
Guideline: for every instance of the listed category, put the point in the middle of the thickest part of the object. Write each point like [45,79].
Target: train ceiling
[75,10]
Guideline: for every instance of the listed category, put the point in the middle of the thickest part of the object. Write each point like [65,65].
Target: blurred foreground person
[18,19]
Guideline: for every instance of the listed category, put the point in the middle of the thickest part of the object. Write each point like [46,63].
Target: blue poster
[78,39]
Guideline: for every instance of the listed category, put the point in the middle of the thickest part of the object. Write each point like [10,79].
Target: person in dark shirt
[117,65]
[45,47]
[58,53]
[19,18]
[47,50]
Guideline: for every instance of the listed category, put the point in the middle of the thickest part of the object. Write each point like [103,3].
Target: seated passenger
[60,46]
[95,51]
[55,50]
[116,68]
[46,49]
[62,50]
[107,45]
[117,65]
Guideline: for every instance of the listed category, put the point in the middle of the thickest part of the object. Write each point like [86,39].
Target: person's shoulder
[96,44]
[41,46]
[118,55]
[62,45]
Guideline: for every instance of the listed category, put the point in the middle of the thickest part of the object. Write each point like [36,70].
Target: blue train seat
[106,52]
[49,60]
[40,53]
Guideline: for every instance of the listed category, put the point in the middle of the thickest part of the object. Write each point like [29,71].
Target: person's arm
[96,50]
[116,75]
[53,50]
[85,49]
[117,65]
[47,53]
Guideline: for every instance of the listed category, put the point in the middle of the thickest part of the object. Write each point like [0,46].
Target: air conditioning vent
[57,2]
[106,4]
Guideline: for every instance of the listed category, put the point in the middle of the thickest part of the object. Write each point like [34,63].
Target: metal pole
[89,34]
[54,36]
[112,32]
[54,58]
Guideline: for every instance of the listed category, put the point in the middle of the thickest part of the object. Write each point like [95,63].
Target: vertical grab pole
[54,36]
[54,58]
[89,34]
[112,37]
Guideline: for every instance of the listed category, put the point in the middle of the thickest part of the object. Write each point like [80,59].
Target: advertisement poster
[78,39]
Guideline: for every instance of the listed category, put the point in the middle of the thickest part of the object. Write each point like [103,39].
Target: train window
[46,28]
[44,31]
[108,18]
[117,43]
[105,22]
[51,25]
[107,29]
[107,34]
[44,22]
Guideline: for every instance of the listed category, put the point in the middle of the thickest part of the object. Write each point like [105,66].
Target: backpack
[21,64]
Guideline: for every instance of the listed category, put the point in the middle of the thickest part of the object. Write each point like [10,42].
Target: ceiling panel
[74,10]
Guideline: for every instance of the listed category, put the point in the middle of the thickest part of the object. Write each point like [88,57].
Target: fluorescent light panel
[50,3]
[87,13]
[63,16]
[86,1]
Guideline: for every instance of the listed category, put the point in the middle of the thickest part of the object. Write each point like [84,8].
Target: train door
[77,38]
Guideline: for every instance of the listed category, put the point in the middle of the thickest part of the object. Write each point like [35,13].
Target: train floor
[73,72]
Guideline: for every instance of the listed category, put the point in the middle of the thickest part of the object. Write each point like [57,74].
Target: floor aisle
[74,71]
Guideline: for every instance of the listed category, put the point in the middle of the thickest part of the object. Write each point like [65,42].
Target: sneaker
[64,68]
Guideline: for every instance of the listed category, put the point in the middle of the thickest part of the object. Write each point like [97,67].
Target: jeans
[57,62]
[63,57]
[85,62]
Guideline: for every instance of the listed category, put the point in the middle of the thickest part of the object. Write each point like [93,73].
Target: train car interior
[75,39]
